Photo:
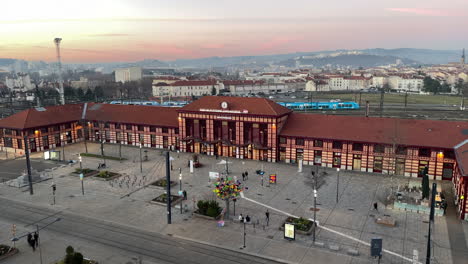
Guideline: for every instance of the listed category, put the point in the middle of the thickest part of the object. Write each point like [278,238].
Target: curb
[233,249]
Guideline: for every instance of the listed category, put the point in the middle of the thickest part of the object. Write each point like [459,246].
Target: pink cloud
[423,11]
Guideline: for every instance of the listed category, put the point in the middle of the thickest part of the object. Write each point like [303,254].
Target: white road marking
[329,229]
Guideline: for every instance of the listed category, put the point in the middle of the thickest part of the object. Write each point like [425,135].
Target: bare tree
[315,179]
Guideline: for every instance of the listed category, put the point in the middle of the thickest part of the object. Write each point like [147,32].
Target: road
[151,246]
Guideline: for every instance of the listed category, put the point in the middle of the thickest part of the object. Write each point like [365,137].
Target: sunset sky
[130,30]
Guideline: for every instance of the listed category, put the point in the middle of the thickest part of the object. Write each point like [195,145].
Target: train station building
[257,129]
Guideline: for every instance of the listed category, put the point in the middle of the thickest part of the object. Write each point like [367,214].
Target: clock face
[224,105]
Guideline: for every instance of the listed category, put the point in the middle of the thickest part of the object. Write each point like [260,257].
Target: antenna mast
[62,94]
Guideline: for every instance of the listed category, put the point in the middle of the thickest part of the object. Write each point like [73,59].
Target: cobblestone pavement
[353,214]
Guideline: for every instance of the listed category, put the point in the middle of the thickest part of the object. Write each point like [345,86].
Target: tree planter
[301,232]
[106,176]
[86,172]
[161,200]
[196,214]
[161,184]
[6,252]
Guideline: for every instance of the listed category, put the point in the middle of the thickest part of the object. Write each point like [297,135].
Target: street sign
[376,247]
[273,178]
[81,176]
[289,231]
[181,193]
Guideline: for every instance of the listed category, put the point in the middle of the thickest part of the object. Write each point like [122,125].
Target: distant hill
[352,58]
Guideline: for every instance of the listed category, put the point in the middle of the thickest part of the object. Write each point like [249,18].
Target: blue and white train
[305,106]
[150,103]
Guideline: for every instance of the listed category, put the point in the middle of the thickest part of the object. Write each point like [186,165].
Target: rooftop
[408,132]
[250,105]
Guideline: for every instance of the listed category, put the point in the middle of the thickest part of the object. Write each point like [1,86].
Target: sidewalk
[353,215]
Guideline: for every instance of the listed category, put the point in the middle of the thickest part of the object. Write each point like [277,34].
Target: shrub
[77,258]
[69,257]
[209,208]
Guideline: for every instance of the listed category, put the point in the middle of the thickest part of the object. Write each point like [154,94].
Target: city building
[20,82]
[406,83]
[124,75]
[258,129]
[187,88]
[245,87]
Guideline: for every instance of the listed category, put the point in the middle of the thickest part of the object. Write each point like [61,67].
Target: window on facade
[8,142]
[165,130]
[318,143]
[19,142]
[95,124]
[128,127]
[118,136]
[44,130]
[152,129]
[141,128]
[358,146]
[337,145]
[300,141]
[141,138]
[67,126]
[379,148]
[56,128]
[176,131]
[8,132]
[282,140]
[106,125]
[401,150]
[117,126]
[424,152]
[449,154]
[45,141]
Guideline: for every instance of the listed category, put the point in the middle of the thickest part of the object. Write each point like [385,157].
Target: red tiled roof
[254,106]
[410,132]
[133,114]
[194,83]
[461,153]
[243,82]
[37,117]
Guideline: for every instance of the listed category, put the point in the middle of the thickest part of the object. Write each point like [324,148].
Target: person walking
[29,239]
[243,176]
[184,193]
[36,238]
[246,175]
[241,218]
[444,206]
[376,207]
[267,215]
[32,243]
[247,219]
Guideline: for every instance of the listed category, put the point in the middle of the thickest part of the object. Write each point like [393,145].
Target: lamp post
[244,231]
[28,163]
[80,159]
[234,200]
[63,145]
[337,183]
[141,163]
[180,188]
[315,211]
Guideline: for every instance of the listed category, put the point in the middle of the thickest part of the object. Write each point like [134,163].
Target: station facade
[257,129]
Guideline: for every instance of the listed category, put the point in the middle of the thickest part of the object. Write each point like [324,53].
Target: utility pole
[28,163]
[168,188]
[337,183]
[431,222]
[59,62]
[141,162]
[381,101]
[406,100]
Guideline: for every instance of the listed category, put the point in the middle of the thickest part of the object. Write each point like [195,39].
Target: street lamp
[28,162]
[141,164]
[80,159]
[244,230]
[315,211]
[180,188]
[337,183]
[63,145]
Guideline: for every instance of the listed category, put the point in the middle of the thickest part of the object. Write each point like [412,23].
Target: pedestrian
[216,155]
[36,238]
[246,175]
[241,218]
[188,164]
[33,244]
[444,206]
[376,206]
[29,239]
[247,219]
[243,176]
[267,214]
[185,194]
